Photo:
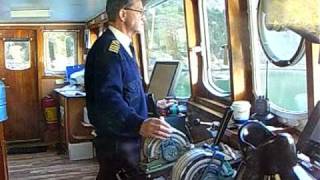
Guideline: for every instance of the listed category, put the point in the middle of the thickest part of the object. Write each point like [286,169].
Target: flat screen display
[311,132]
[162,81]
[315,136]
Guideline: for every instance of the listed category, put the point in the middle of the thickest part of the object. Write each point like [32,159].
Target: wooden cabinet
[71,118]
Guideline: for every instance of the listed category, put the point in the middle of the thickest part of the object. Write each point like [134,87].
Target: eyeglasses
[136,10]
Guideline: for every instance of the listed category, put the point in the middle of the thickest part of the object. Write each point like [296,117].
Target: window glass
[287,90]
[215,36]
[165,37]
[60,50]
[282,47]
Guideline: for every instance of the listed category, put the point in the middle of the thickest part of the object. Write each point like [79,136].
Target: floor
[50,166]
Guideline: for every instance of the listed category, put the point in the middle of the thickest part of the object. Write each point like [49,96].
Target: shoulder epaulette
[114,46]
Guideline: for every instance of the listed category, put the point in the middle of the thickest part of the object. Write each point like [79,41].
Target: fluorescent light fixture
[30,13]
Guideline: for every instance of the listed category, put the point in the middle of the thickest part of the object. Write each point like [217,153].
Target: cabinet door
[74,118]
[62,118]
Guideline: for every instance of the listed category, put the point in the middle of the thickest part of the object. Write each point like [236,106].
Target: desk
[71,118]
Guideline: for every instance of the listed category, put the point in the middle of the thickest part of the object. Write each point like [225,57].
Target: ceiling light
[29,13]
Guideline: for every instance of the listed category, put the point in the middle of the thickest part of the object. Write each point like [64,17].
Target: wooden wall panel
[47,84]
[241,76]
[194,40]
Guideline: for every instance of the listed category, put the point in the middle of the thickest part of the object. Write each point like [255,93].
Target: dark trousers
[118,158]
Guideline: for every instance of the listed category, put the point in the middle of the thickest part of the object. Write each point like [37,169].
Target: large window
[282,53]
[60,50]
[165,37]
[214,37]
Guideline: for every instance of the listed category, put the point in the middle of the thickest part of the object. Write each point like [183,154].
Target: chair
[266,153]
[252,134]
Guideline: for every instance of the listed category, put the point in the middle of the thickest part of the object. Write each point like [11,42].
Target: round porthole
[283,47]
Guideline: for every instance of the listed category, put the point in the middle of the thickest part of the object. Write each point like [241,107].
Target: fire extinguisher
[49,107]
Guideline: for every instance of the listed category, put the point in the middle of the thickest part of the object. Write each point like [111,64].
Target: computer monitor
[309,140]
[315,136]
[163,79]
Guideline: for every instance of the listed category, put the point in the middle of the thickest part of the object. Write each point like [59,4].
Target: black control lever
[216,128]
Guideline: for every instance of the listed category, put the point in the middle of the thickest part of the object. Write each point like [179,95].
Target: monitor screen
[162,81]
[311,132]
[315,136]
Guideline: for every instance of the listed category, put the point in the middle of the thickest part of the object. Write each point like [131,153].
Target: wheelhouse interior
[262,52]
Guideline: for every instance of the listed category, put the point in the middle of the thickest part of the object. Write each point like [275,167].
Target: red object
[49,106]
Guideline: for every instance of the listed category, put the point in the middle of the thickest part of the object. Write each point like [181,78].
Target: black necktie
[132,50]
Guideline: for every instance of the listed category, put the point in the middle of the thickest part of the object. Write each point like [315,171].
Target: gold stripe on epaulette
[114,46]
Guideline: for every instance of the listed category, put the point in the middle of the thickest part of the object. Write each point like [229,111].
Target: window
[60,50]
[286,75]
[282,47]
[165,37]
[214,36]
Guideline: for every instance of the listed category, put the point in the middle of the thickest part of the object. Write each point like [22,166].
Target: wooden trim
[94,35]
[101,18]
[97,24]
[53,77]
[3,155]
[19,27]
[241,70]
[313,74]
[193,40]
[310,72]
[138,51]
[40,65]
[240,66]
[206,109]
[212,104]
[80,44]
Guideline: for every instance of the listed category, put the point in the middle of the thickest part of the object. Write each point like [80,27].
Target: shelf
[86,124]
[85,138]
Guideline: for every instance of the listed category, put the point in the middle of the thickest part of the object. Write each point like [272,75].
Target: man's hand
[156,128]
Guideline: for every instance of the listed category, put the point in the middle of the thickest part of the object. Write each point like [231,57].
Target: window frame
[144,53]
[205,52]
[287,116]
[296,57]
[76,54]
